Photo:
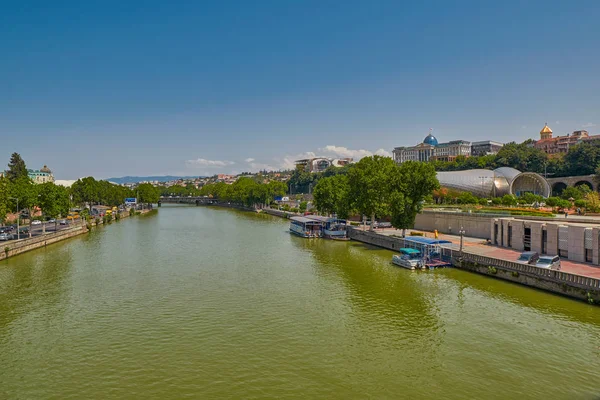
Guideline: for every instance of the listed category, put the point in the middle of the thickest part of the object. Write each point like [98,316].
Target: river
[212,303]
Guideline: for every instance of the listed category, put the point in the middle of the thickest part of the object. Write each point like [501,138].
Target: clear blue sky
[115,89]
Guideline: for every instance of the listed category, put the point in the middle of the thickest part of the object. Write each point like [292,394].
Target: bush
[303,206]
[131,212]
[294,210]
[581,203]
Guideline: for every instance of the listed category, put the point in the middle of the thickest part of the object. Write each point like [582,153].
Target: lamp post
[18,217]
[462,232]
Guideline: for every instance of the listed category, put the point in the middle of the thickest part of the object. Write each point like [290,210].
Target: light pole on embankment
[462,233]
[18,215]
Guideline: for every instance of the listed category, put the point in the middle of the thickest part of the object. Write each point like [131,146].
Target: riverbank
[568,284]
[13,248]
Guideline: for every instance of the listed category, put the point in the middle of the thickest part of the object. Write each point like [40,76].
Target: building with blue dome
[430,149]
[430,139]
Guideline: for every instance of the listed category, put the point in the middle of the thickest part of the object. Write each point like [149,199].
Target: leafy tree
[4,200]
[593,201]
[16,168]
[369,181]
[147,193]
[409,186]
[331,196]
[53,200]
[577,193]
[552,201]
[27,193]
[468,198]
[509,200]
[303,206]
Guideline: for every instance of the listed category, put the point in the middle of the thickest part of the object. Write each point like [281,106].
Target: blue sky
[112,89]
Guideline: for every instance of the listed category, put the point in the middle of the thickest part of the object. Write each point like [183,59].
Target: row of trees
[582,159]
[19,194]
[91,191]
[55,200]
[377,187]
[246,191]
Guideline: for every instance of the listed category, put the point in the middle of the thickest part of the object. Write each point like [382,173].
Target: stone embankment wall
[279,213]
[475,225]
[13,248]
[563,283]
[10,249]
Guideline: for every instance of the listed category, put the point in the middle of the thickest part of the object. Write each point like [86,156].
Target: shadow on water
[536,299]
[398,298]
[33,279]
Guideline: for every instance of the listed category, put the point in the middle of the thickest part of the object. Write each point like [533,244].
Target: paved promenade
[478,246]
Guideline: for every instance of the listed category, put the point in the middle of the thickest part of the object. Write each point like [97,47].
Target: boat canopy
[425,240]
[409,251]
[303,220]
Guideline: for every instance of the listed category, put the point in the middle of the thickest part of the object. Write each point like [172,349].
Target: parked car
[52,221]
[36,222]
[24,230]
[6,236]
[549,262]
[62,222]
[528,257]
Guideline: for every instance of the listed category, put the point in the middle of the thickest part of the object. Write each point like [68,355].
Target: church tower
[546,132]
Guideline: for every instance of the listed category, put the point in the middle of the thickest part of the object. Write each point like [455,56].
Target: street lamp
[462,232]
[18,217]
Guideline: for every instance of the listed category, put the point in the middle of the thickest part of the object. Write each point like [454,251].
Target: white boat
[408,258]
[307,228]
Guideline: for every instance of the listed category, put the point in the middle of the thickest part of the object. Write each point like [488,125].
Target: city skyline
[198,90]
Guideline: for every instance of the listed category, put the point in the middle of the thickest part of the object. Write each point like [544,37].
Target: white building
[430,149]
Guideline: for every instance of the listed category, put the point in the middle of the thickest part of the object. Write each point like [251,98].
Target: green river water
[209,303]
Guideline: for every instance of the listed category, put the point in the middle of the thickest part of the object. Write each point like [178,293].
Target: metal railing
[583,282]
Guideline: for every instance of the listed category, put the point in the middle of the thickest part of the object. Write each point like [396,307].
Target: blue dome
[430,139]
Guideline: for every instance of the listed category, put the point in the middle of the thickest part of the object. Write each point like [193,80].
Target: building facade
[556,145]
[430,149]
[42,175]
[485,147]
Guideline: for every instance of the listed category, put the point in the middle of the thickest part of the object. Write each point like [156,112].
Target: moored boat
[409,259]
[305,227]
[332,227]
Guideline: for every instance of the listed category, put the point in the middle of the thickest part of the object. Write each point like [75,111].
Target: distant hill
[137,179]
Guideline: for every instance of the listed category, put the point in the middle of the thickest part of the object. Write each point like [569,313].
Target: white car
[36,222]
[549,262]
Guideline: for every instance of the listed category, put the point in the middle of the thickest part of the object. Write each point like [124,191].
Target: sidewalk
[479,246]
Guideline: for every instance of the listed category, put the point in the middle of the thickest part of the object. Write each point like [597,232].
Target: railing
[565,277]
[24,242]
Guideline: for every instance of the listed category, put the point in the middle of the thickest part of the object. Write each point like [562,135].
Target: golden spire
[546,132]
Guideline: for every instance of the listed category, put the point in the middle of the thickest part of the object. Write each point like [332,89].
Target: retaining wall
[10,249]
[575,286]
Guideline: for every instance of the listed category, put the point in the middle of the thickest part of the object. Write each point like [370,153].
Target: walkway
[479,246]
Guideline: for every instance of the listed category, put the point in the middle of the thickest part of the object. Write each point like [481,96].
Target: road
[36,230]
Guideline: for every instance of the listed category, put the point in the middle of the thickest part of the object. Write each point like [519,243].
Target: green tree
[53,200]
[509,200]
[593,201]
[27,193]
[147,193]
[370,185]
[4,200]
[410,184]
[331,196]
[576,193]
[16,168]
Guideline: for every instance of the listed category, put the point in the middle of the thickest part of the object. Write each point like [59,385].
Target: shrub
[131,212]
[492,270]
